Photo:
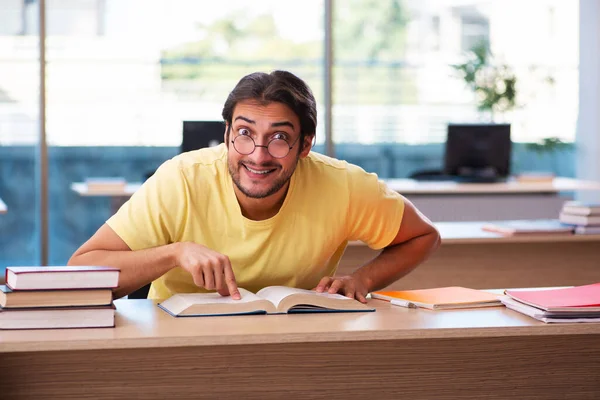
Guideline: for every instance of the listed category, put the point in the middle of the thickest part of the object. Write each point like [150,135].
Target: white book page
[522,308]
[212,298]
[277,293]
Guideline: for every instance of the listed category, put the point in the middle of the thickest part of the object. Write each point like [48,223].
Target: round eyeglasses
[277,148]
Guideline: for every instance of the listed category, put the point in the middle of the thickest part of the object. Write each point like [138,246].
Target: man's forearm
[138,268]
[396,261]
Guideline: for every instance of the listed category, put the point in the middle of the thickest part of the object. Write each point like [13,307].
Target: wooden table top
[410,186]
[471,232]
[82,189]
[141,324]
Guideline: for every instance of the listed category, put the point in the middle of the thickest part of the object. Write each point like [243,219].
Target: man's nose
[261,154]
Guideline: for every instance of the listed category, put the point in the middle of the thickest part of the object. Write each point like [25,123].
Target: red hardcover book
[45,278]
[568,299]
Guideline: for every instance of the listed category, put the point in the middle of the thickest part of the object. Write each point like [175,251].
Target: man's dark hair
[280,87]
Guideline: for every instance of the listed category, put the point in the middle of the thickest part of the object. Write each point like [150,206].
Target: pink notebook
[587,296]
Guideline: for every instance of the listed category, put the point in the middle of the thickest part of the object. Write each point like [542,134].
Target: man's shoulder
[329,175]
[318,160]
[331,166]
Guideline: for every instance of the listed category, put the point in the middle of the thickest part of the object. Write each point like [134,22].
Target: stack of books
[574,304]
[58,297]
[585,217]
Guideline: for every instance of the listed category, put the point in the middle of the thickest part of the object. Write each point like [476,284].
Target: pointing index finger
[230,282]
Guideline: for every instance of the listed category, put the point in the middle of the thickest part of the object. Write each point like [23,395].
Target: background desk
[82,189]
[451,201]
[474,258]
[117,197]
[393,353]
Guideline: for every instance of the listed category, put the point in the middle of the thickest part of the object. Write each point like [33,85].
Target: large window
[19,130]
[122,75]
[127,72]
[394,80]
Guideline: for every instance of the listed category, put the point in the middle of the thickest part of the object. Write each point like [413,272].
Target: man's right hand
[209,269]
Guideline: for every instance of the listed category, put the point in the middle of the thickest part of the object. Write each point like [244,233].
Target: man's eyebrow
[273,125]
[248,120]
[282,123]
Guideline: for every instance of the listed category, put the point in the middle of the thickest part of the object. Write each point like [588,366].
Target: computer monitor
[200,134]
[480,152]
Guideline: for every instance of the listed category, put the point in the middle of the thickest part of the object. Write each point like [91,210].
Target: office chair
[427,174]
[141,293]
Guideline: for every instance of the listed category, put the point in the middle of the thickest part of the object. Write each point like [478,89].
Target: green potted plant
[494,85]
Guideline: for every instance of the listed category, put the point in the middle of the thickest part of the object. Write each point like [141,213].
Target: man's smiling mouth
[259,171]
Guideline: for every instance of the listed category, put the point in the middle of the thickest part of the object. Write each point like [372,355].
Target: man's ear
[226,135]
[307,144]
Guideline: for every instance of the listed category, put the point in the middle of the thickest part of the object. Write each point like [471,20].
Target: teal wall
[73,219]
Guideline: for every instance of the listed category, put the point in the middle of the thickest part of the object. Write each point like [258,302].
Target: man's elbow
[436,239]
[76,259]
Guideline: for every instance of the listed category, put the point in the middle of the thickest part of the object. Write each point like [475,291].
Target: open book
[270,300]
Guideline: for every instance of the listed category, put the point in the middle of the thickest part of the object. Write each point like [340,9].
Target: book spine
[55,271]
[36,289]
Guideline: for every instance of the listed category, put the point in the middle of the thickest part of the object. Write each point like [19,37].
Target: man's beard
[262,193]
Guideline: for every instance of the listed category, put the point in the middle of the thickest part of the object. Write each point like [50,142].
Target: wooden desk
[117,197]
[81,188]
[3,208]
[410,186]
[474,258]
[413,187]
[393,353]
[451,201]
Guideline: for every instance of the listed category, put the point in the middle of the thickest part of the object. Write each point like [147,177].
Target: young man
[260,210]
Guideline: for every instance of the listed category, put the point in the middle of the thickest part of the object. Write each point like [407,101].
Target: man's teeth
[258,172]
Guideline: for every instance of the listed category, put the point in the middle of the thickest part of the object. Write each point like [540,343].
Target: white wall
[588,125]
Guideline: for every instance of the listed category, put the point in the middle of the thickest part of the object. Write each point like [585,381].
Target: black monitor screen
[478,150]
[200,134]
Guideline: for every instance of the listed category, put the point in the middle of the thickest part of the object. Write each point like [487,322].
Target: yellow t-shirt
[191,198]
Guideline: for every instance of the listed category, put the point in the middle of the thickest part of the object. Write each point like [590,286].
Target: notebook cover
[579,296]
[445,295]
